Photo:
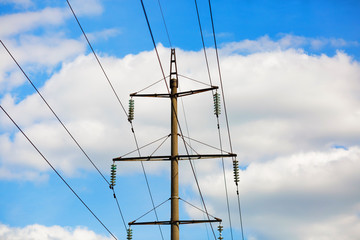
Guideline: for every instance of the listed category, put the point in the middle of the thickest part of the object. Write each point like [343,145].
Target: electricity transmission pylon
[174,157]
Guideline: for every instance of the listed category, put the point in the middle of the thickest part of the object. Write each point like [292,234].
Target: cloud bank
[294,120]
[39,232]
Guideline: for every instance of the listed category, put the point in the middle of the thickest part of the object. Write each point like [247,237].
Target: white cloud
[103,35]
[87,7]
[286,41]
[18,3]
[22,22]
[41,51]
[279,101]
[287,111]
[288,100]
[38,53]
[310,195]
[40,232]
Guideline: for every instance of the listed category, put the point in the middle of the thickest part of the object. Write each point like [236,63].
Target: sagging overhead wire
[63,125]
[118,99]
[163,18]
[153,41]
[203,42]
[57,173]
[225,111]
[217,112]
[56,116]
[97,59]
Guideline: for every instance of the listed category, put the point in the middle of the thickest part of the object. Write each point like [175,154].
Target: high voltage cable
[146,180]
[225,110]
[148,186]
[220,77]
[118,205]
[62,124]
[153,41]
[97,59]
[117,97]
[164,78]
[202,40]
[217,119]
[47,104]
[163,18]
[58,173]
[162,70]
[226,189]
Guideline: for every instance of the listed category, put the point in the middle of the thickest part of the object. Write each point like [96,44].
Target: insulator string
[131,110]
[217,109]
[129,234]
[113,176]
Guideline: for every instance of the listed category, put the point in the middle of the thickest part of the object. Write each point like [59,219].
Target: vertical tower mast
[174,150]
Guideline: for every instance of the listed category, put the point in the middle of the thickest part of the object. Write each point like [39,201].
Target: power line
[217,119]
[97,59]
[146,179]
[225,184]
[225,110]
[62,124]
[153,41]
[163,18]
[57,173]
[117,97]
[203,42]
[118,205]
[57,117]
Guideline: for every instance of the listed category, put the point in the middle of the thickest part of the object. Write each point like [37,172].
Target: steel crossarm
[178,157]
[179,94]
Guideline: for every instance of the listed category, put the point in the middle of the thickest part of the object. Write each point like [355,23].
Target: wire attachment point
[129,234]
[131,110]
[236,171]
[113,176]
[217,110]
[220,229]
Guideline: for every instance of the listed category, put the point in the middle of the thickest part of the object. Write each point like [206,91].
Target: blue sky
[291,74]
